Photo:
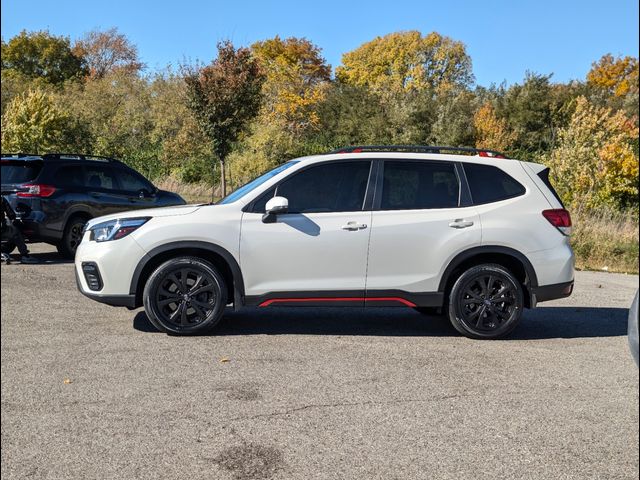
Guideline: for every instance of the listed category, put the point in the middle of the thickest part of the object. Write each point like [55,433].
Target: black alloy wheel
[72,237]
[185,295]
[486,302]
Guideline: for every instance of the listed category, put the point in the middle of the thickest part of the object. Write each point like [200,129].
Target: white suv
[477,237]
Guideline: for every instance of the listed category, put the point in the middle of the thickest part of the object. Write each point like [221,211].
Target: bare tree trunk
[223,184]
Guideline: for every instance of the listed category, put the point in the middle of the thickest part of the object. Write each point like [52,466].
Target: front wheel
[486,302]
[185,296]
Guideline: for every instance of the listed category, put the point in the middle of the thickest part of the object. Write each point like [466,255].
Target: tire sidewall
[158,276]
[64,247]
[456,293]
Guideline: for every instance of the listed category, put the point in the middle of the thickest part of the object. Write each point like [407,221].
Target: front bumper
[115,263]
[128,301]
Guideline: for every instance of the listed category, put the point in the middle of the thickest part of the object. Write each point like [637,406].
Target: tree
[107,51]
[617,76]
[296,80]
[529,112]
[406,61]
[41,55]
[33,123]
[491,132]
[596,161]
[224,96]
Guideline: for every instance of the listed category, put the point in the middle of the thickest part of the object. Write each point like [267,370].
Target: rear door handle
[461,223]
[352,226]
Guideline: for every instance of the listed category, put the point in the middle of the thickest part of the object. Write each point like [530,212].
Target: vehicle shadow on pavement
[541,323]
[45,258]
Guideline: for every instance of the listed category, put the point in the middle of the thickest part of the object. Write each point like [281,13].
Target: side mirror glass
[275,206]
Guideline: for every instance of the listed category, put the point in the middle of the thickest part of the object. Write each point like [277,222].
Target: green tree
[43,56]
[529,112]
[406,61]
[224,96]
[33,123]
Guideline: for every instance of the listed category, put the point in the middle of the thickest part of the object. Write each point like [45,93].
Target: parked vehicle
[479,236]
[56,194]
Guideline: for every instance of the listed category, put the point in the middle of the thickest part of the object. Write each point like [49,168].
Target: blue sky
[504,38]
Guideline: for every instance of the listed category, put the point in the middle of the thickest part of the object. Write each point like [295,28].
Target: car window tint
[100,177]
[419,185]
[490,184]
[131,182]
[16,171]
[70,176]
[259,206]
[332,187]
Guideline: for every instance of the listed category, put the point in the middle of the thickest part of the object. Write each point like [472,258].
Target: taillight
[559,218]
[36,190]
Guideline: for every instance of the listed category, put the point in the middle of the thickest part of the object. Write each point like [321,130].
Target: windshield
[242,191]
[14,172]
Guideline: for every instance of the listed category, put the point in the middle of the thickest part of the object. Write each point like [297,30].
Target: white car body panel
[409,248]
[304,252]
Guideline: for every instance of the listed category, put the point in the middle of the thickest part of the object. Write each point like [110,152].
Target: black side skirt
[346,298]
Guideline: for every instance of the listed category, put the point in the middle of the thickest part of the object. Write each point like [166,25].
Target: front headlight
[115,229]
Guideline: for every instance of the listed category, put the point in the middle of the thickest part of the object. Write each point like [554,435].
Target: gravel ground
[91,391]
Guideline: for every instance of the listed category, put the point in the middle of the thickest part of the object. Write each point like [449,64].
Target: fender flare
[467,254]
[236,273]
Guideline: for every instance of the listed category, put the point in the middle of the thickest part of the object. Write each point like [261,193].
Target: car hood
[149,212]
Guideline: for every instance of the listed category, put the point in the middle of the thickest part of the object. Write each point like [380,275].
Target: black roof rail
[419,149]
[78,156]
[18,155]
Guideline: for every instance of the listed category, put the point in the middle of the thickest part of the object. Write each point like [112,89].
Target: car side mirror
[274,207]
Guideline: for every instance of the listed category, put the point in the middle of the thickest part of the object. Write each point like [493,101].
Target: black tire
[185,296]
[486,302]
[432,311]
[71,237]
[8,247]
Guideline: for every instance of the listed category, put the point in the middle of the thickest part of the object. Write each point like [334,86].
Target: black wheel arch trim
[238,282]
[532,278]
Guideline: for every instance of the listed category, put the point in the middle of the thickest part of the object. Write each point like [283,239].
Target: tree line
[255,107]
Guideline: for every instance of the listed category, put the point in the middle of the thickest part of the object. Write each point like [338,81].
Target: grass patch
[606,241]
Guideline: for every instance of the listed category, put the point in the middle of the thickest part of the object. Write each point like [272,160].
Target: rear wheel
[486,302]
[185,296]
[71,237]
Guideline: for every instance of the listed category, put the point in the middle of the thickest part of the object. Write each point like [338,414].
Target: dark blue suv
[56,194]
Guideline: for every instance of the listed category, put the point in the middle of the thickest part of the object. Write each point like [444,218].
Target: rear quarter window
[490,184]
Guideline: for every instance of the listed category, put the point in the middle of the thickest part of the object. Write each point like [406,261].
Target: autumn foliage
[254,107]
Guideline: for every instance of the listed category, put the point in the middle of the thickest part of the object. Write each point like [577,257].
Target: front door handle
[461,223]
[352,226]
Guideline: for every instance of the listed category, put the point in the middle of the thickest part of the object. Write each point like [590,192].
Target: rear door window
[419,185]
[100,177]
[490,184]
[70,176]
[16,171]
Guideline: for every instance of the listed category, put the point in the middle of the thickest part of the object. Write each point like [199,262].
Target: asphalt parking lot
[91,391]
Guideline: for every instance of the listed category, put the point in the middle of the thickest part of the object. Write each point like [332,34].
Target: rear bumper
[551,292]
